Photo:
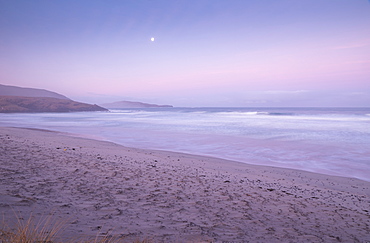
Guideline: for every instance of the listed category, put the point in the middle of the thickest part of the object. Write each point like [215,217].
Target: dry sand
[101,188]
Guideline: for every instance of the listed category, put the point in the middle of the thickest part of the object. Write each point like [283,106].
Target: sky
[235,53]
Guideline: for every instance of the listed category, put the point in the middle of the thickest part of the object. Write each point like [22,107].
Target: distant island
[17,99]
[131,104]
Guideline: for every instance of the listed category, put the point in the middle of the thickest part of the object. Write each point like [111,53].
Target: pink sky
[208,53]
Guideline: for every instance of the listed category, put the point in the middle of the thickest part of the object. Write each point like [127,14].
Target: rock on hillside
[9,104]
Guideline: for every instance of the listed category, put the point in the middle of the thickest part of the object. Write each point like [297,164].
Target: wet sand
[101,188]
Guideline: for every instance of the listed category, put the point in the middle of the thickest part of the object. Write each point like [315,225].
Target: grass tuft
[47,230]
[29,231]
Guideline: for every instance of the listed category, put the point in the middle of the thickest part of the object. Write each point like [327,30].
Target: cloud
[357,93]
[306,98]
[285,92]
[354,45]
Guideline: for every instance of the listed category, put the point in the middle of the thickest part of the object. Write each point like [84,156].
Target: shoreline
[105,188]
[315,149]
[196,156]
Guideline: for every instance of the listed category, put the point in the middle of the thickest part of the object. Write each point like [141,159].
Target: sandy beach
[101,188]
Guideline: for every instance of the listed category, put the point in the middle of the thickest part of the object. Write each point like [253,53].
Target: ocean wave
[119,111]
[270,113]
[281,114]
[258,113]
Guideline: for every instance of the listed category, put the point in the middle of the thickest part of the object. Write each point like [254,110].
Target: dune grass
[45,230]
[48,230]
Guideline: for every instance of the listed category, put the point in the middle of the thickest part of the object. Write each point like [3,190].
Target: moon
[152,39]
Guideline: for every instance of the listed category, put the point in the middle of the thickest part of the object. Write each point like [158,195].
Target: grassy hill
[7,90]
[12,104]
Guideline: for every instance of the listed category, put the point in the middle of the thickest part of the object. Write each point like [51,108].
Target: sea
[332,141]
